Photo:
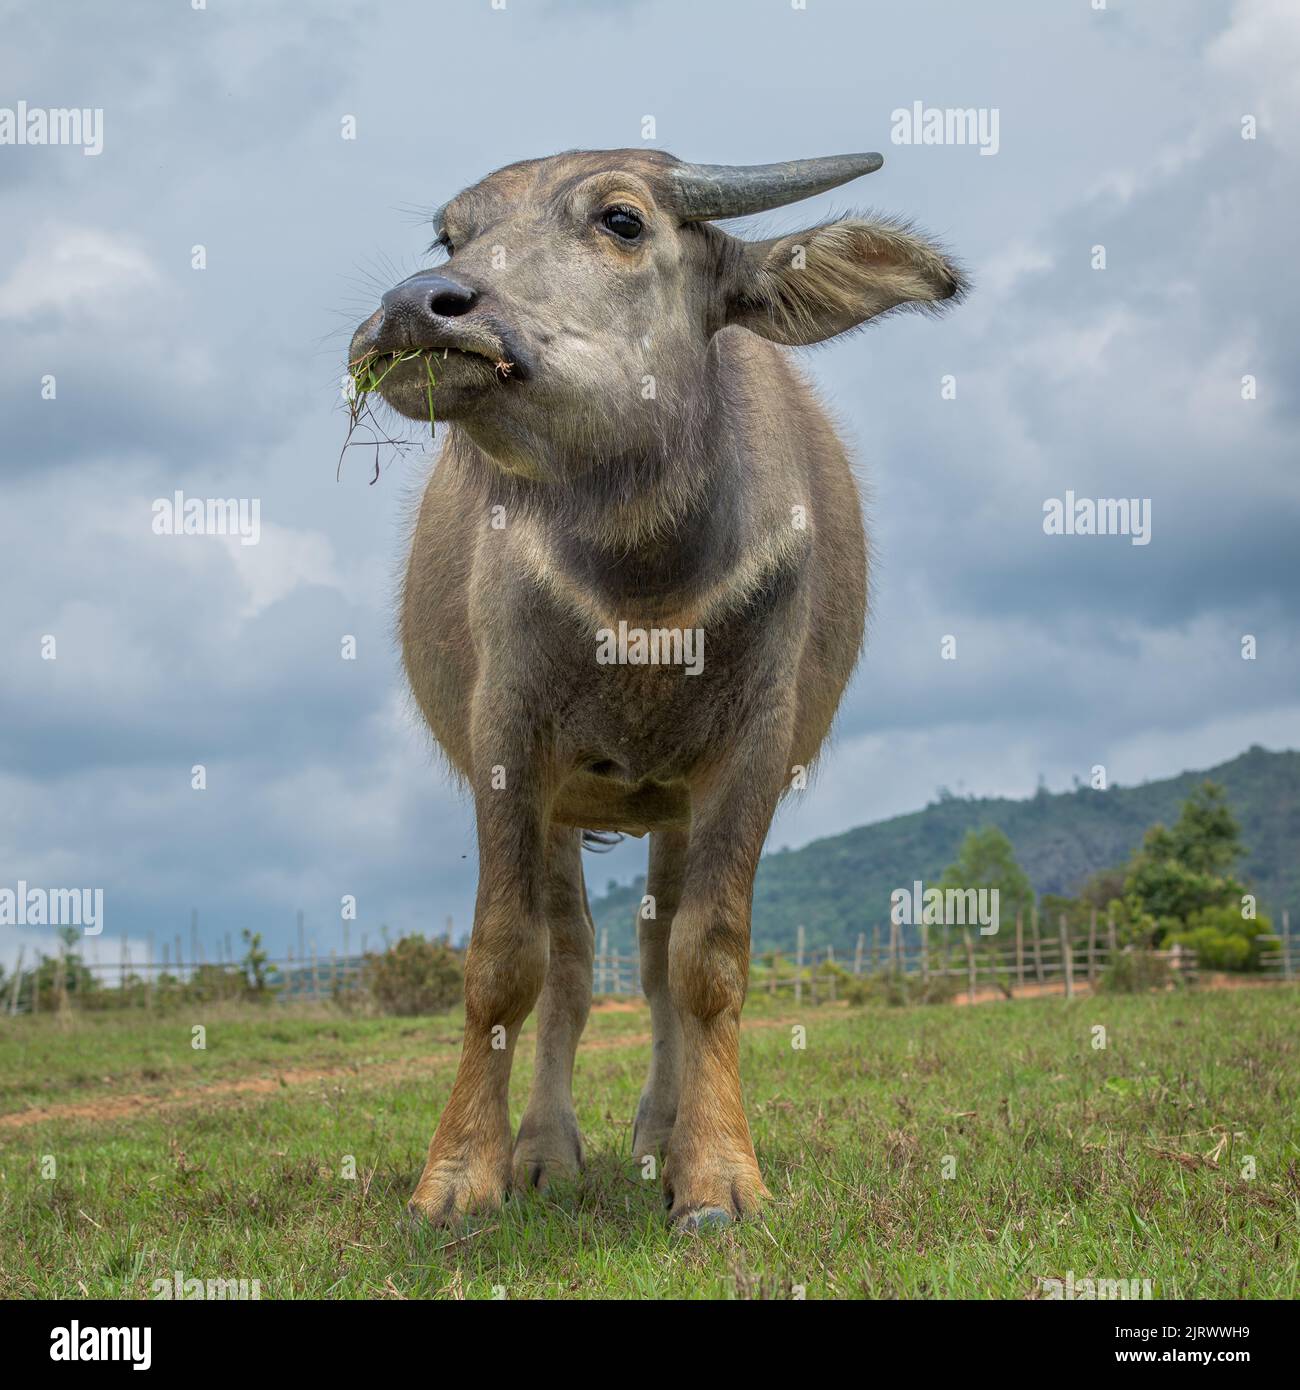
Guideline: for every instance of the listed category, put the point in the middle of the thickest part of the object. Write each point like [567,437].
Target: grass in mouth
[366,375]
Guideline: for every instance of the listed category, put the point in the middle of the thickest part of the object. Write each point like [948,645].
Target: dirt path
[986,994]
[116,1107]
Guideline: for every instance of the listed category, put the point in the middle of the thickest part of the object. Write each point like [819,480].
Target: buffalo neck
[641,532]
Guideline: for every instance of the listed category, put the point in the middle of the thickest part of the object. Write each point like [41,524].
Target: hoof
[546,1154]
[651,1129]
[449,1193]
[703,1219]
[417,1219]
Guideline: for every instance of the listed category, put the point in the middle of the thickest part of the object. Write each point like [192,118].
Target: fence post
[812,977]
[1038,944]
[875,947]
[925,951]
[798,965]
[771,979]
[1287,967]
[893,947]
[63,981]
[1111,943]
[1092,947]
[1067,959]
[830,960]
[18,975]
[604,960]
[857,954]
[970,964]
[1020,947]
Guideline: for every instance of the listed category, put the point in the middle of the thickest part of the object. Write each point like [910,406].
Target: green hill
[840,886]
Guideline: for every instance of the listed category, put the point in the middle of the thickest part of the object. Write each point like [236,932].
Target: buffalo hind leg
[657,1111]
[711,1175]
[548,1144]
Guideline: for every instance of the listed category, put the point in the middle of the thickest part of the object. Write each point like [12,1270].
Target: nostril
[449,301]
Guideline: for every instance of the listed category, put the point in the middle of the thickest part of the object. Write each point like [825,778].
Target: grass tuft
[366,375]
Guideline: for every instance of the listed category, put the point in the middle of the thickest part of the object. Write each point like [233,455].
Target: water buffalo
[634,471]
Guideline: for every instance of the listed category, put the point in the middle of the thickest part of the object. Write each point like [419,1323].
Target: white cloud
[1260,51]
[77,270]
[283,560]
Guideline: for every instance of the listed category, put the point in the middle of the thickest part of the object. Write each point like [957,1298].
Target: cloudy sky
[223,129]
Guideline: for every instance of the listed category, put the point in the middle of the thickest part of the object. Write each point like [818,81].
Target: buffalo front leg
[469,1163]
[711,1175]
[548,1144]
[657,1111]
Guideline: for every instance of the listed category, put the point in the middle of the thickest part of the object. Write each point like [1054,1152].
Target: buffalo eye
[623,222]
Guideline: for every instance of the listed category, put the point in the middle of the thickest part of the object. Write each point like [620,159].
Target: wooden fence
[1032,961]
[818,976]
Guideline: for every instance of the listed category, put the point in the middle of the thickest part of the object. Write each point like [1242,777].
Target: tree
[1207,838]
[1180,886]
[415,976]
[1178,872]
[254,962]
[1103,887]
[987,859]
[61,978]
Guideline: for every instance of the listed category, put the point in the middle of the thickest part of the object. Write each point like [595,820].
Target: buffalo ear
[812,285]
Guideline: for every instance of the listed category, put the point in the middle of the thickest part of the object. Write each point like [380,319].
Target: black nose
[426,297]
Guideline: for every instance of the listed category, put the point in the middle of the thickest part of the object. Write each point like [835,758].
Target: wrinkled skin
[650,455]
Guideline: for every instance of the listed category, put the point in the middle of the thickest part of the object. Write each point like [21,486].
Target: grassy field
[920,1153]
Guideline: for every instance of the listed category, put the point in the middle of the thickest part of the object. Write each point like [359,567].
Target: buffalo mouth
[425,383]
[373,368]
[384,350]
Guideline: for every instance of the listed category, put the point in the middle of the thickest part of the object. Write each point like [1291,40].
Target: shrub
[1135,972]
[415,976]
[1224,940]
[899,990]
